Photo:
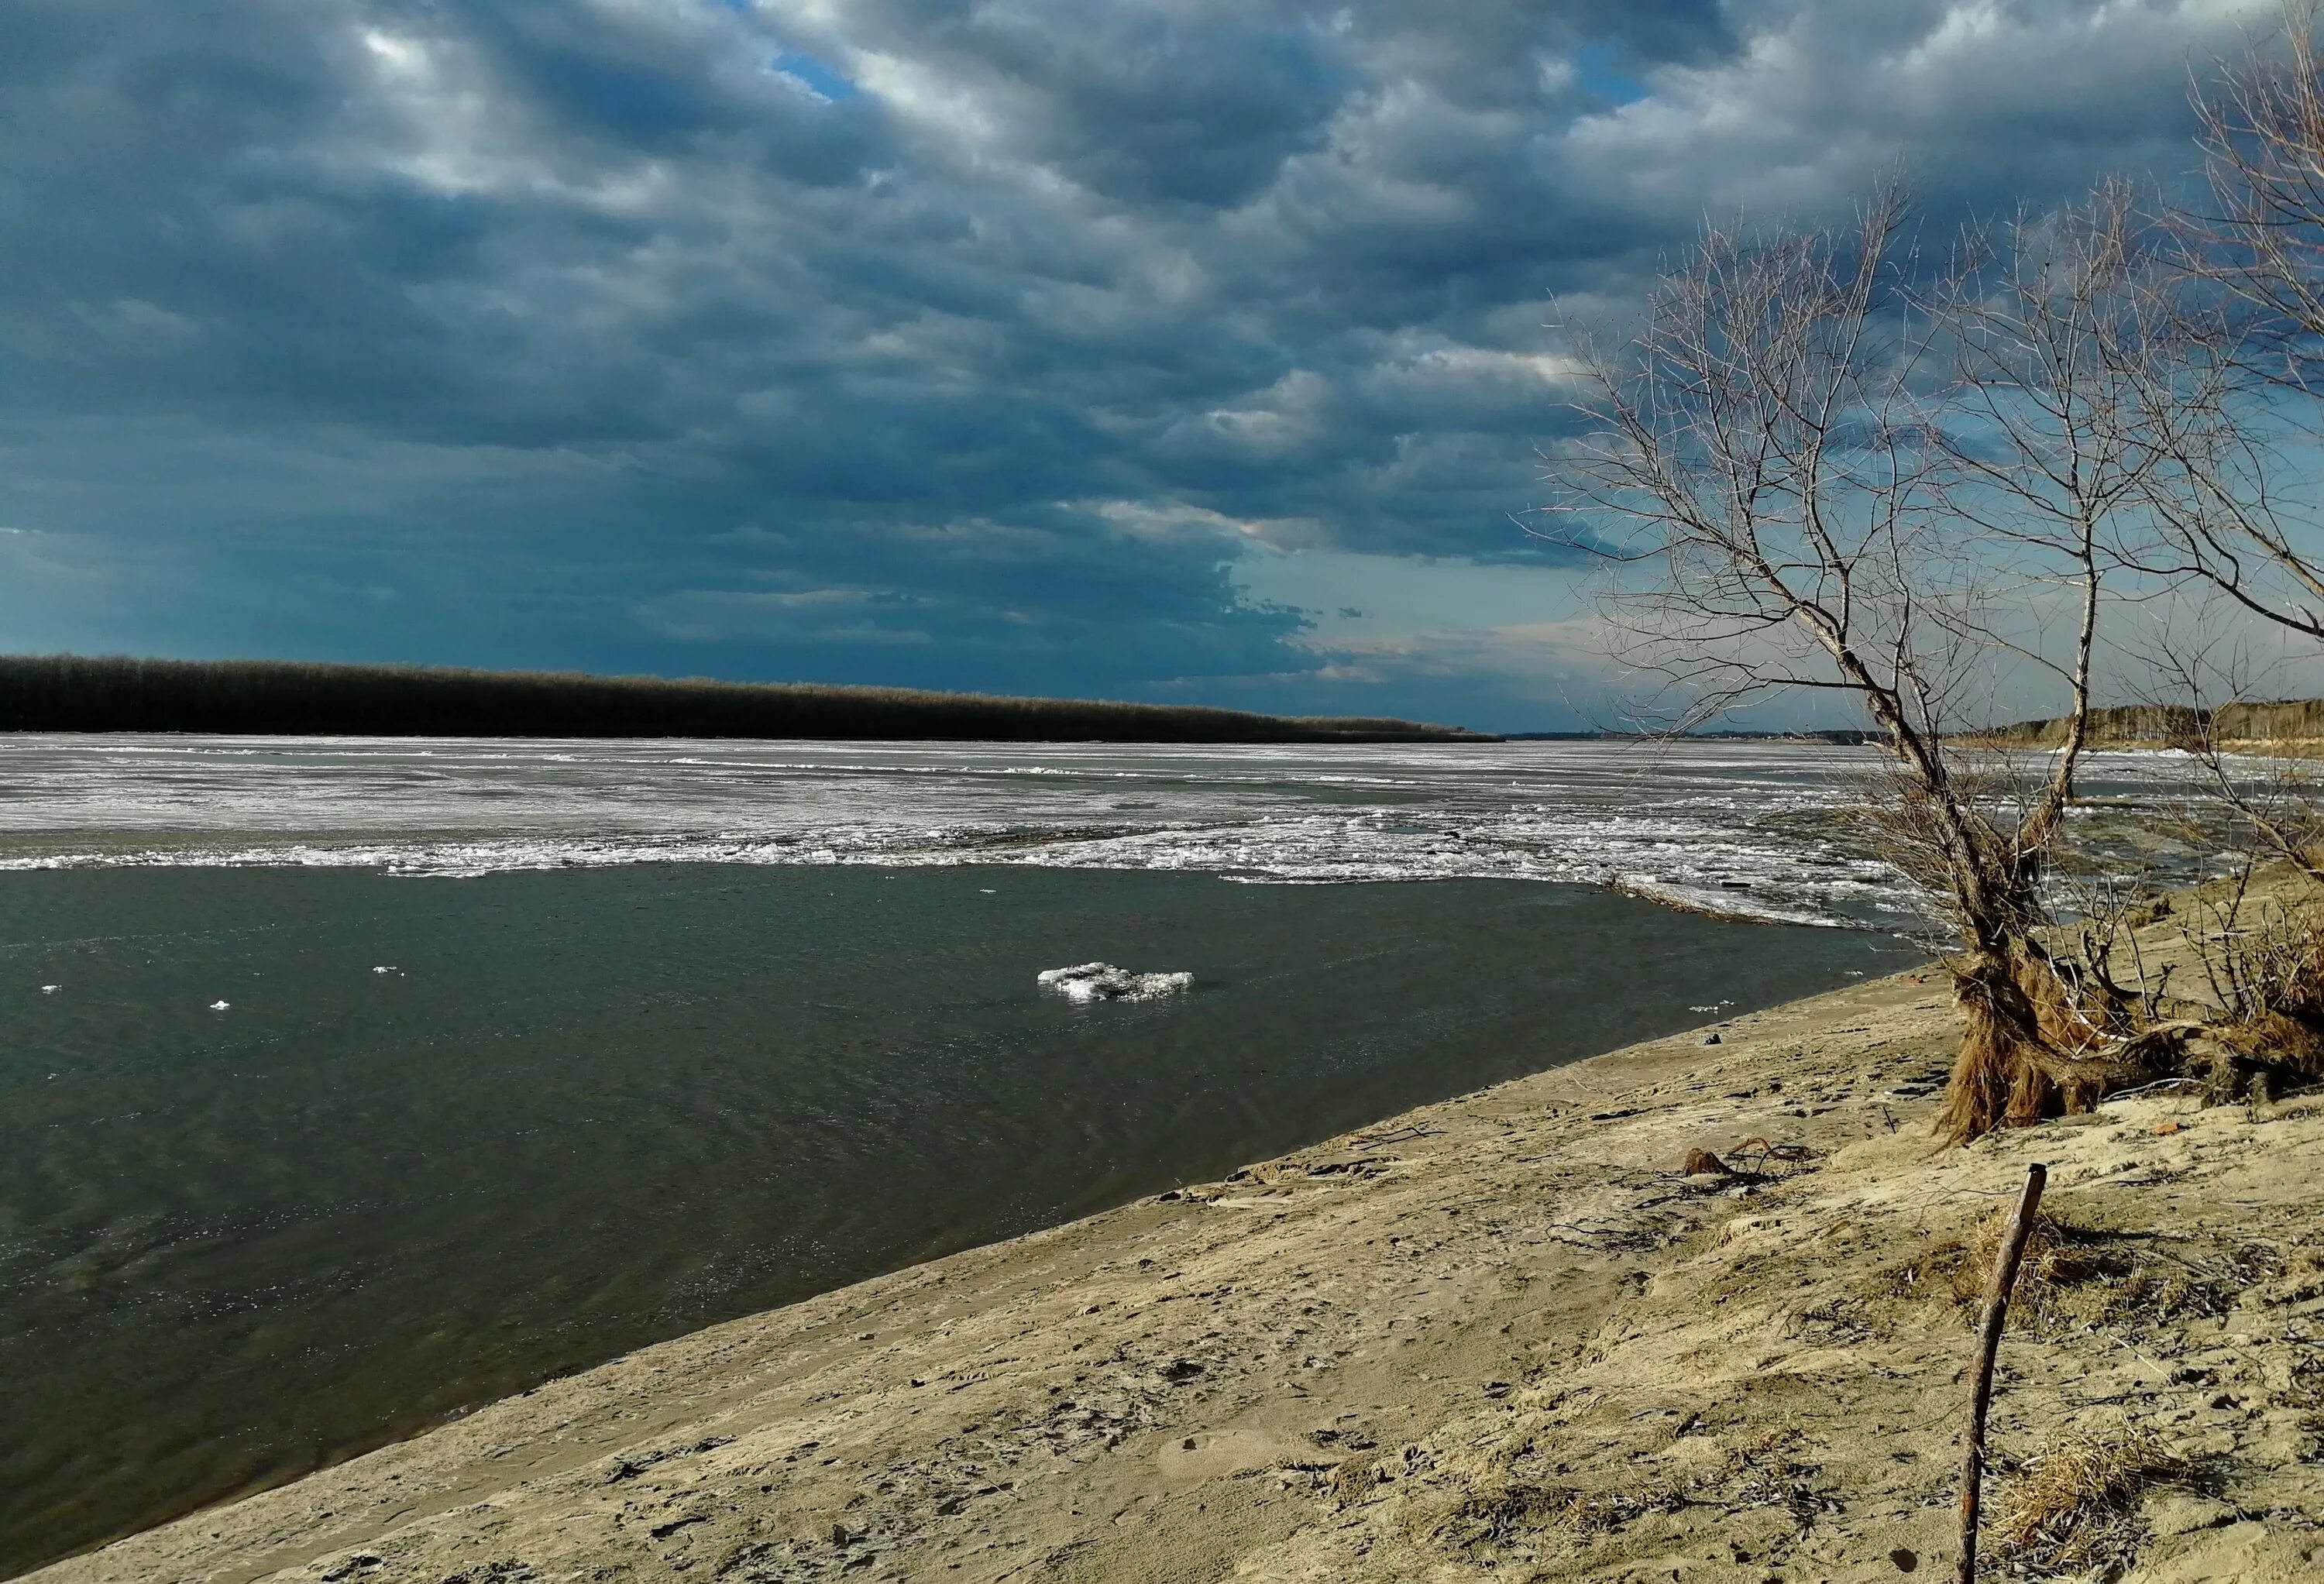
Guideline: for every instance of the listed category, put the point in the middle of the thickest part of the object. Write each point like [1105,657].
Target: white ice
[1102,982]
[1742,830]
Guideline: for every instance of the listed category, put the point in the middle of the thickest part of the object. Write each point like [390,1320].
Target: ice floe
[1102,982]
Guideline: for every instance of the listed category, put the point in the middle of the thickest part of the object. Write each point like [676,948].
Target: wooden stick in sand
[1988,1342]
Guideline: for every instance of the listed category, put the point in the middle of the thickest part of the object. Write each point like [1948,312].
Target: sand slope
[1500,1337]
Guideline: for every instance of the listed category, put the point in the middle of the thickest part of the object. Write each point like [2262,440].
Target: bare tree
[1805,471]
[2253,330]
[2268,806]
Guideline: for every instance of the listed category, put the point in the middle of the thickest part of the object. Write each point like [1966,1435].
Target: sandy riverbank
[1499,1337]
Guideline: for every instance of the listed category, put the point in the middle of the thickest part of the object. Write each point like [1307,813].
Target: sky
[1193,351]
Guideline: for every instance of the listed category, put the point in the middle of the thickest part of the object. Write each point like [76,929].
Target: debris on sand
[2067,1507]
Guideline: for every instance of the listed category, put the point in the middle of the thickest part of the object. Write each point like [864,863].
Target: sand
[1503,1337]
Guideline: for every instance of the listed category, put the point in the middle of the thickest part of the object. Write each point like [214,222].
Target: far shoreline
[119,694]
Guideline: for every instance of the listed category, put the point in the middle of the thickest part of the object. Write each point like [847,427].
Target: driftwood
[2006,1260]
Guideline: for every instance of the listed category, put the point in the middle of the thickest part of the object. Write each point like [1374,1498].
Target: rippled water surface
[345,1084]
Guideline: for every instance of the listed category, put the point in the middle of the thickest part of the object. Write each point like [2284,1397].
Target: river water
[348,1084]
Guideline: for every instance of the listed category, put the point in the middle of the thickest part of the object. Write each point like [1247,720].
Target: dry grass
[2069,1507]
[1490,1515]
[1483,1500]
[1504,1501]
[2077,1277]
[2058,1255]
[2060,1258]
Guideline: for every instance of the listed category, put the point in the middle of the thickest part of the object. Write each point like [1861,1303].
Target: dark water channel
[595,1108]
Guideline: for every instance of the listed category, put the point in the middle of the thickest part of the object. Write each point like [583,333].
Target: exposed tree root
[2032,1047]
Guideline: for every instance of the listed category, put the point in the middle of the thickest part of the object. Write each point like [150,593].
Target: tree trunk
[2024,1042]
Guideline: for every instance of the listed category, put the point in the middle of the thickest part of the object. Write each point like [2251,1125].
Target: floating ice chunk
[1102,982]
[217,1005]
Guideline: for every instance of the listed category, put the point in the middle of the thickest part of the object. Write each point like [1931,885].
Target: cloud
[1982,101]
[607,332]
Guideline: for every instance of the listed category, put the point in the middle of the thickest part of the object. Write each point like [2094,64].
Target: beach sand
[1499,1337]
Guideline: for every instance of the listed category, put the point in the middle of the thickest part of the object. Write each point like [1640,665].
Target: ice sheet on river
[1746,830]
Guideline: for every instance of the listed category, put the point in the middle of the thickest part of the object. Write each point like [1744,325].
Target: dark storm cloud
[890,339]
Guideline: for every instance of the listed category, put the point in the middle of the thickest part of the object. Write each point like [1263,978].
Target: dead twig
[1989,1343]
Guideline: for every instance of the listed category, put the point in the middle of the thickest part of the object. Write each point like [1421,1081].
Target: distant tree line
[71,692]
[2179,725]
